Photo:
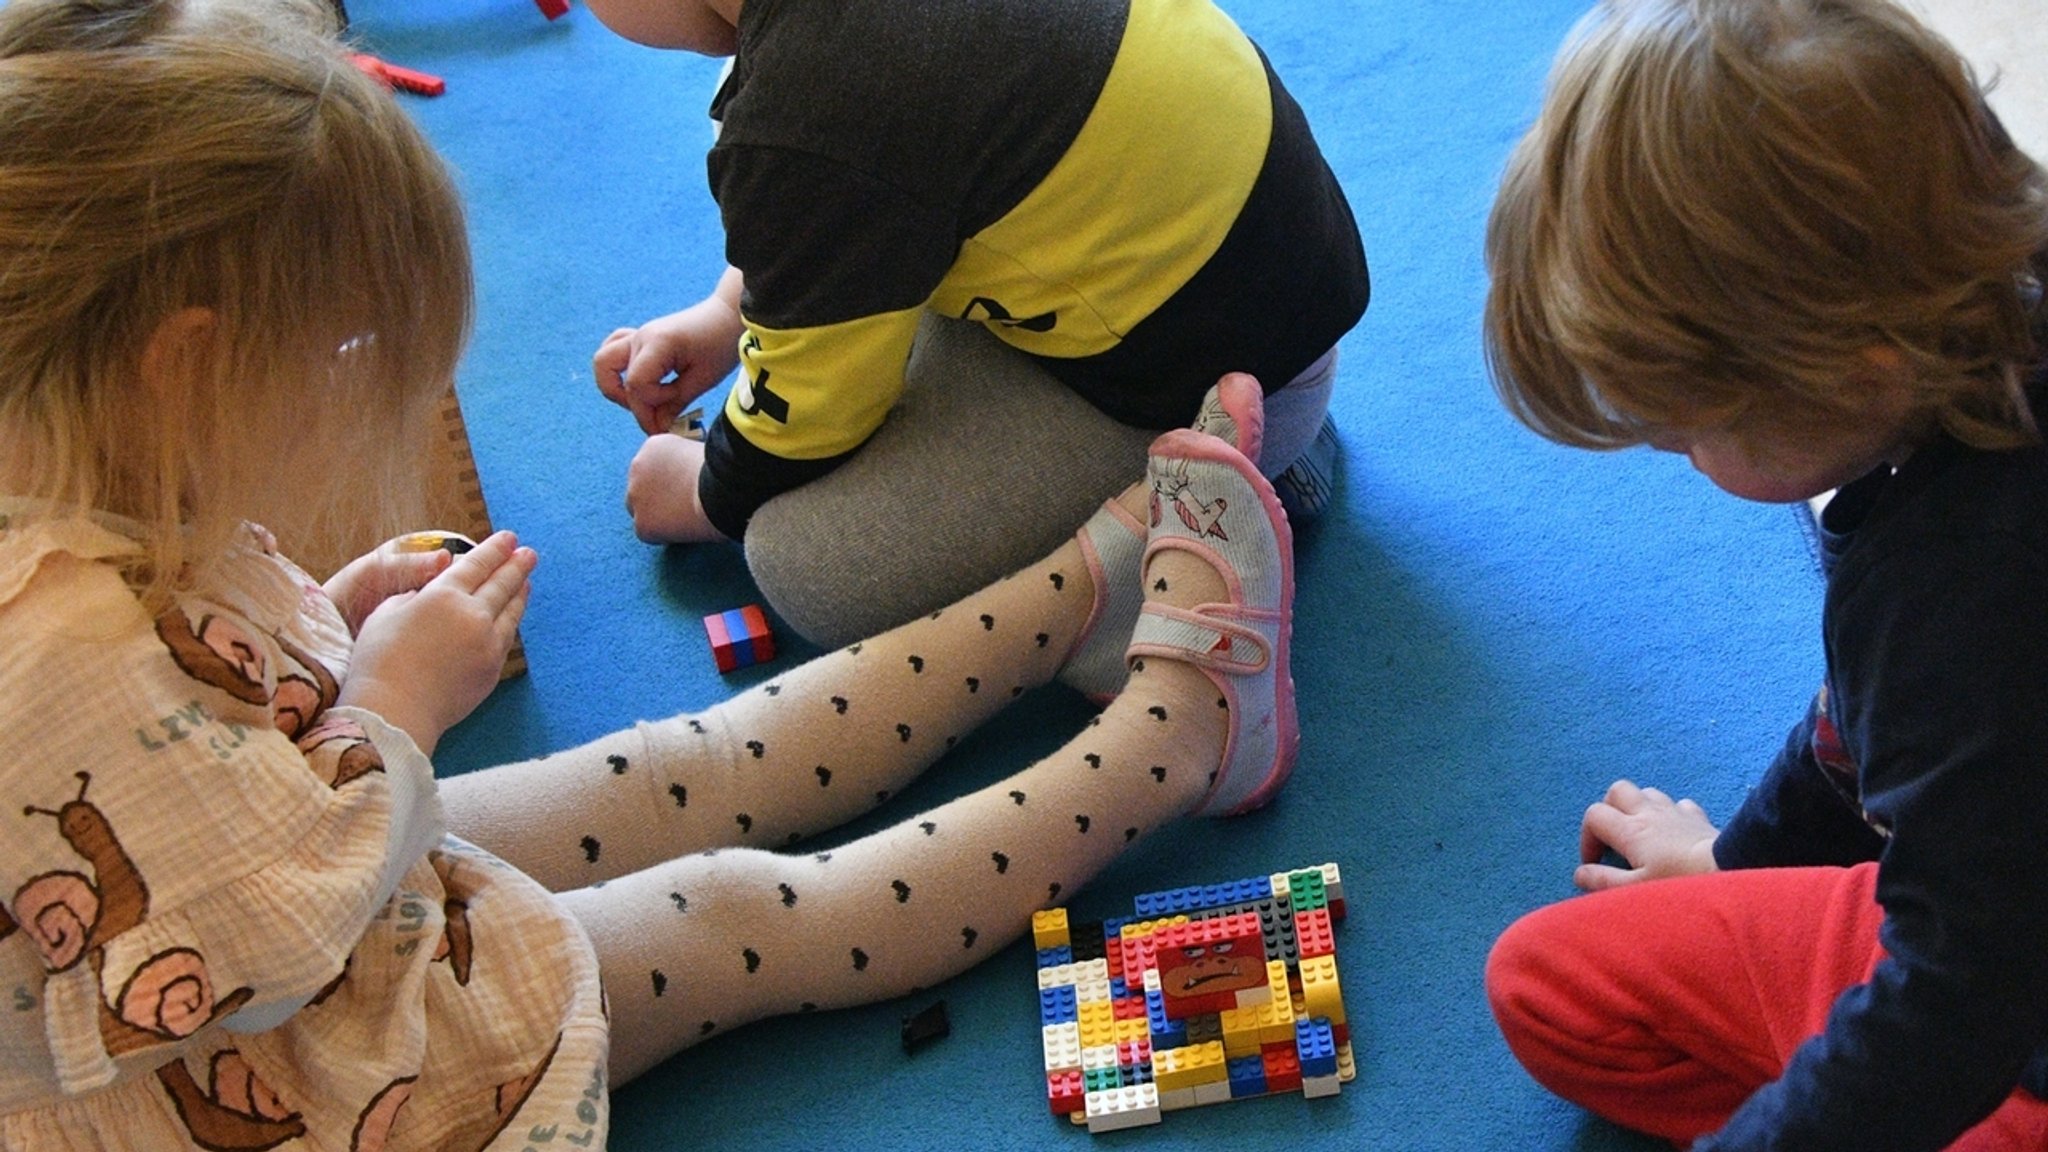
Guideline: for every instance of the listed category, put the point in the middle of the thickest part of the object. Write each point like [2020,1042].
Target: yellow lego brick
[1097,1021]
[1276,1022]
[1135,1028]
[1240,1031]
[1177,1068]
[1049,928]
[1321,995]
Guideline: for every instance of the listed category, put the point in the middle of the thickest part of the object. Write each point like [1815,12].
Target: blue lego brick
[1247,1076]
[1057,1006]
[1165,1033]
[1054,957]
[1118,989]
[1316,1046]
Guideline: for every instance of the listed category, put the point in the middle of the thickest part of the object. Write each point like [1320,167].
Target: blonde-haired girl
[233,281]
[1788,239]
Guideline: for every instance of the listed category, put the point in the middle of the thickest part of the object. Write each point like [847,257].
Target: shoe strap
[1223,638]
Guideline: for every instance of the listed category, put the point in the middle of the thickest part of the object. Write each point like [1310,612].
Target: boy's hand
[1658,837]
[656,370]
[424,660]
[661,492]
[374,577]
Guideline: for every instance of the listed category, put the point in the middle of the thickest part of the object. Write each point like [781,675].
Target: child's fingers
[507,584]
[473,568]
[506,626]
[1599,877]
[1596,830]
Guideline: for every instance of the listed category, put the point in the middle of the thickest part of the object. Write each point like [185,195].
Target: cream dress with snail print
[229,916]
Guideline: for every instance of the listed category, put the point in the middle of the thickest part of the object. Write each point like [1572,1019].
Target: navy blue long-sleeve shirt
[1927,751]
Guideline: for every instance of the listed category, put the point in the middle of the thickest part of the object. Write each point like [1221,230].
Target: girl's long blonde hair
[162,157]
[1726,205]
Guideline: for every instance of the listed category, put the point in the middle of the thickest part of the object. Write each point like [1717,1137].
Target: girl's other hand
[1657,835]
[424,660]
[374,577]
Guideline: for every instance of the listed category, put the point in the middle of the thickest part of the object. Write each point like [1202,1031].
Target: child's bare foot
[661,492]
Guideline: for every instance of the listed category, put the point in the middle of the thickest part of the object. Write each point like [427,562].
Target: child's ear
[174,353]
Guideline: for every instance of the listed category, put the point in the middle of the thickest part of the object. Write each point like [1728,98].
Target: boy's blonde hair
[165,156]
[1726,205]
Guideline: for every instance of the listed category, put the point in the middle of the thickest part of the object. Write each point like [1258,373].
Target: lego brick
[1315,1047]
[1283,1071]
[1313,933]
[1057,1006]
[1064,1092]
[1321,995]
[739,637]
[1062,1047]
[553,9]
[1247,1076]
[925,1027]
[1049,929]
[1209,993]
[1123,1107]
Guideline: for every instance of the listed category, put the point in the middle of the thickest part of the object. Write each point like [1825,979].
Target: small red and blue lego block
[740,637]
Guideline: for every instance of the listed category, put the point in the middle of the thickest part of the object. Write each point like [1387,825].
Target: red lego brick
[393,76]
[1283,1068]
[1065,1093]
[1312,933]
[552,9]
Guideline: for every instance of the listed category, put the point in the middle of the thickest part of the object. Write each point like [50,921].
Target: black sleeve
[1942,659]
[1796,815]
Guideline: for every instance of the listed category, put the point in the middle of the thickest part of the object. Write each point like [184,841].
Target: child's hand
[1658,837]
[661,492]
[424,660]
[375,577]
[657,369]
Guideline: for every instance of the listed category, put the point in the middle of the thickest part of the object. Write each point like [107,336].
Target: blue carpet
[1490,628]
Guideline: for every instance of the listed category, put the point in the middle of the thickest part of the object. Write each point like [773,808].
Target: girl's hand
[374,577]
[426,659]
[1657,836]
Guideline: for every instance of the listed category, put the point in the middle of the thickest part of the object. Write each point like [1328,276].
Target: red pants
[1661,1006]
